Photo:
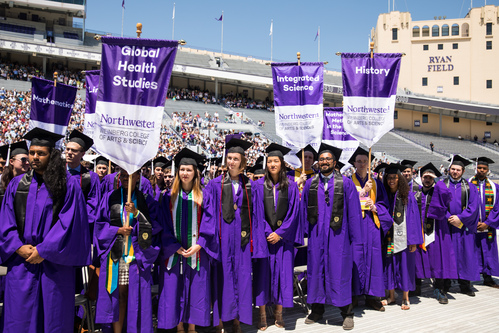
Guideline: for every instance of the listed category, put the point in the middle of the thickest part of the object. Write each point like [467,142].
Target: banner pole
[298,56]
[55,79]
[371,47]
[109,168]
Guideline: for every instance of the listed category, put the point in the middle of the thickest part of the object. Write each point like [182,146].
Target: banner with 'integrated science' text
[92,82]
[132,90]
[51,106]
[298,100]
[369,92]
[334,134]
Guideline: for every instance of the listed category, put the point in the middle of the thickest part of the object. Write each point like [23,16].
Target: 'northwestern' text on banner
[51,106]
[92,81]
[334,134]
[131,97]
[369,92]
[298,100]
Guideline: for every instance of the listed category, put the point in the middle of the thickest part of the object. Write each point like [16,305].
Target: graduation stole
[193,222]
[338,201]
[465,193]
[275,214]
[112,266]
[398,216]
[490,200]
[372,196]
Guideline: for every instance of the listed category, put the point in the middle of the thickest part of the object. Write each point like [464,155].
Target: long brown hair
[402,187]
[244,163]
[196,187]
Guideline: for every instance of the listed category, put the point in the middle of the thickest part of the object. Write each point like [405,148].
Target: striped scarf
[194,219]
[372,196]
[489,199]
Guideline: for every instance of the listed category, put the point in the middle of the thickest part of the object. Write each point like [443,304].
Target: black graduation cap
[16,148]
[102,160]
[307,148]
[380,167]
[237,146]
[459,160]
[167,165]
[429,168]
[277,150]
[257,168]
[188,157]
[147,165]
[83,140]
[394,168]
[159,162]
[339,165]
[483,161]
[408,163]
[42,138]
[357,152]
[336,152]
[218,161]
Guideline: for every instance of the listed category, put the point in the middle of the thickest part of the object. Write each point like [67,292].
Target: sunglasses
[23,160]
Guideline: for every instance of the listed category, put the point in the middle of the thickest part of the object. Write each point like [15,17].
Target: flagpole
[298,56]
[371,47]
[173,18]
[122,19]
[222,44]
[271,38]
[319,45]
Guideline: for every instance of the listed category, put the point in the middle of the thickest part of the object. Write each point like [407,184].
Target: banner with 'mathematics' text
[51,106]
[334,134]
[132,90]
[92,82]
[298,101]
[369,92]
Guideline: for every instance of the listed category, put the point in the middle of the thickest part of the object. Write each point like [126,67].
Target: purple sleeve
[289,230]
[68,241]
[440,201]
[260,246]
[94,197]
[146,257]
[302,213]
[146,186]
[382,207]
[208,230]
[413,219]
[469,216]
[104,233]
[9,236]
[169,244]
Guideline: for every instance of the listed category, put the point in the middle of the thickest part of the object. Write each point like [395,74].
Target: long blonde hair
[197,193]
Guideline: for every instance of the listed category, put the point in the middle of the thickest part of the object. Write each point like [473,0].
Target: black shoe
[467,291]
[416,292]
[489,282]
[375,304]
[312,318]
[441,296]
[348,323]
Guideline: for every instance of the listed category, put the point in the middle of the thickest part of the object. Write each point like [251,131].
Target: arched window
[455,29]
[465,32]
[415,31]
[435,31]
[445,30]
[426,31]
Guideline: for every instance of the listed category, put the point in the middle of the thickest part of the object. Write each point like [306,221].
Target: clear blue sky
[345,25]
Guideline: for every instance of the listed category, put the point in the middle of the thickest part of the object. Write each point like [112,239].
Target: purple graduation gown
[333,256]
[94,195]
[373,282]
[107,184]
[183,297]
[486,250]
[232,287]
[400,267]
[439,260]
[40,297]
[139,310]
[273,276]
[463,239]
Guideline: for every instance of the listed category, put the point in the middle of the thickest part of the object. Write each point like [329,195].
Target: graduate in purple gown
[184,278]
[127,251]
[299,176]
[408,172]
[76,147]
[486,241]
[433,259]
[276,202]
[462,217]
[157,179]
[376,221]
[404,235]
[330,216]
[232,236]
[43,236]
[101,168]
[18,163]
[112,181]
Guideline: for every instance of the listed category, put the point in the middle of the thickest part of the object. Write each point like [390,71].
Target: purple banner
[51,106]
[298,100]
[92,81]
[136,71]
[334,134]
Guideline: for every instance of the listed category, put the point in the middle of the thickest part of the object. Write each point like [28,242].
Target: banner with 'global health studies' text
[51,106]
[298,101]
[334,134]
[369,92]
[130,102]
[92,82]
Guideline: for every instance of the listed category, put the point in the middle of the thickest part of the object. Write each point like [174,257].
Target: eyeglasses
[325,159]
[326,192]
[23,160]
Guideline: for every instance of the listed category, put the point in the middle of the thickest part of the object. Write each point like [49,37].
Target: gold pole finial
[298,55]
[139,29]
[55,78]
[371,47]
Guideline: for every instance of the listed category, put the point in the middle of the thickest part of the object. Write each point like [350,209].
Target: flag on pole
[123,4]
[221,18]
[317,35]
[92,81]
[51,106]
[334,134]
[130,103]
[271,28]
[369,91]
